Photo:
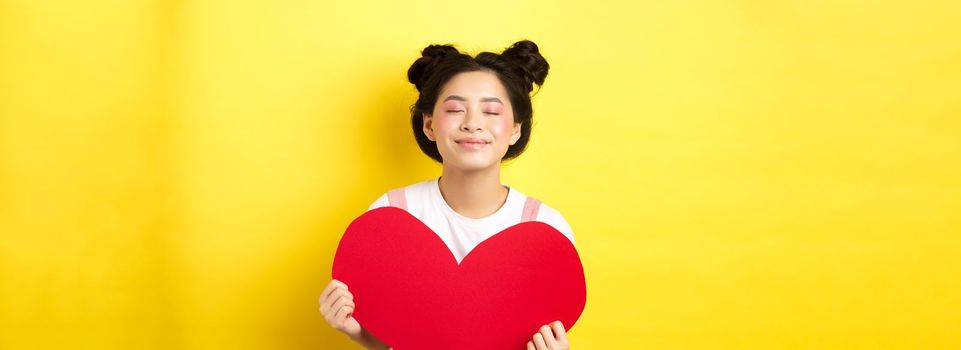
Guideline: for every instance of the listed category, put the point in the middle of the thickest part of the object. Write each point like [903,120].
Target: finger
[559,332]
[530,346]
[331,310]
[539,342]
[327,309]
[323,295]
[342,314]
[343,301]
[548,337]
[338,294]
[328,301]
[331,287]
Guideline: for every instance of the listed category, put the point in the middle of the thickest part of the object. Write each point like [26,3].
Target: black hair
[518,68]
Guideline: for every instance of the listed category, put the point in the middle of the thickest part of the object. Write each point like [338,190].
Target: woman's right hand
[337,306]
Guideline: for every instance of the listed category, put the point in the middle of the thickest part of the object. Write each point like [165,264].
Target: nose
[472,121]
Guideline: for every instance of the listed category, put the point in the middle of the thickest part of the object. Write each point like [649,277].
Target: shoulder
[379,202]
[416,190]
[551,216]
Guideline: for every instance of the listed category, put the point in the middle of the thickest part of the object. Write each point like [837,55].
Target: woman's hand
[337,306]
[550,337]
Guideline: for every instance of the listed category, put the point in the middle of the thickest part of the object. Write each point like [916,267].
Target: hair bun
[532,66]
[432,54]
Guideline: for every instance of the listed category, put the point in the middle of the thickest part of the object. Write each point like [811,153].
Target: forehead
[474,85]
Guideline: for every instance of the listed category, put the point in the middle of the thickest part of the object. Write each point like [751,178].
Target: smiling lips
[472,143]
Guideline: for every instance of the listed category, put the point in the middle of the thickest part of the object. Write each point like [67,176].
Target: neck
[475,193]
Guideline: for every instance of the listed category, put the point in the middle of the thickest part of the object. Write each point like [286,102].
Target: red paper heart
[411,293]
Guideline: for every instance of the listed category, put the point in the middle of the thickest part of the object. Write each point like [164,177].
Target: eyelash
[484,112]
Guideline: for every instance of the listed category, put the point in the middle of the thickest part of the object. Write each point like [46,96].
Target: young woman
[472,114]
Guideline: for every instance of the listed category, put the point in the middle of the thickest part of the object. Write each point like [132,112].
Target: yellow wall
[739,174]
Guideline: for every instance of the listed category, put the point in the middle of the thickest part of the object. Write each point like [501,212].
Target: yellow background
[738,174]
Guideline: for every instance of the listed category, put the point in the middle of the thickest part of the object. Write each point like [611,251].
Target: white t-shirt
[461,233]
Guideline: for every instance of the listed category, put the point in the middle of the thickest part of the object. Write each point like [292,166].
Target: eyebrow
[485,99]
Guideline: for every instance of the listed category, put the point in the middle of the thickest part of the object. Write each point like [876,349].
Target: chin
[472,164]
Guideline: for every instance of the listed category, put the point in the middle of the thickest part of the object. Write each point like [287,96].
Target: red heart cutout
[411,293]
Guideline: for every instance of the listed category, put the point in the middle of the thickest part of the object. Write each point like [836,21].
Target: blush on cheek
[443,123]
[502,126]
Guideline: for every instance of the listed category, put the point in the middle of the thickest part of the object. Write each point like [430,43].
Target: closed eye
[461,111]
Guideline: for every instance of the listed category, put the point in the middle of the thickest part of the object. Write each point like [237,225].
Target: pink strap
[530,209]
[397,198]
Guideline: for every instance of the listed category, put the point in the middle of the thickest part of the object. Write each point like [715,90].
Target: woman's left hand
[550,337]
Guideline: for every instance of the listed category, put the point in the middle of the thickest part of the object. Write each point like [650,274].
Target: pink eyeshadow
[452,105]
[495,108]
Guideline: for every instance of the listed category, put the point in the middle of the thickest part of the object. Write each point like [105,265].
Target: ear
[516,135]
[428,127]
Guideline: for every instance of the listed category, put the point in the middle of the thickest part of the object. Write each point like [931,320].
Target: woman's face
[473,122]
